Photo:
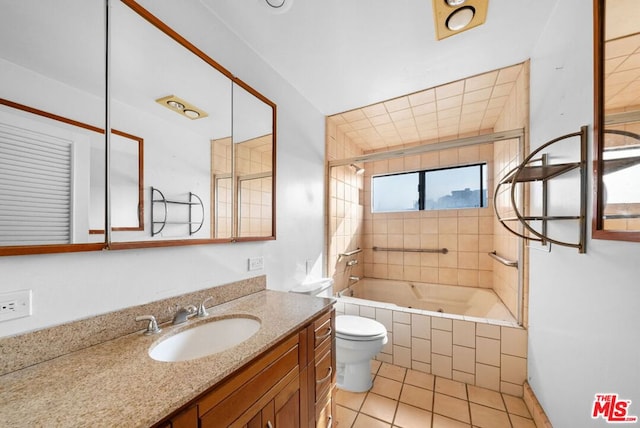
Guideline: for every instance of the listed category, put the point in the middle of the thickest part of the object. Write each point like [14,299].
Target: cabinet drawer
[323,374]
[324,412]
[230,408]
[322,330]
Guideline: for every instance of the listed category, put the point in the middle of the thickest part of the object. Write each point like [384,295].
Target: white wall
[584,317]
[67,287]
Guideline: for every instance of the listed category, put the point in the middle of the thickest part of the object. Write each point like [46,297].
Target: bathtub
[447,299]
[460,333]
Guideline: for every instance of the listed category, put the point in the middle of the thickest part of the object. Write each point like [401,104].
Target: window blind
[35,187]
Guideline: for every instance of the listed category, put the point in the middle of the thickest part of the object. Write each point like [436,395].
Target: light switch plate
[256,263]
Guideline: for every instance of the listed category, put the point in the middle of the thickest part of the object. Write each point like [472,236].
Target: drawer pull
[330,424]
[269,424]
[324,379]
[324,336]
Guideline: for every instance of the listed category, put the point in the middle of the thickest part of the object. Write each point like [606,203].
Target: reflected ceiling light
[460,18]
[276,4]
[454,16]
[182,107]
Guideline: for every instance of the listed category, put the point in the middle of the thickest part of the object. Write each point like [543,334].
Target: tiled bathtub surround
[32,348]
[474,351]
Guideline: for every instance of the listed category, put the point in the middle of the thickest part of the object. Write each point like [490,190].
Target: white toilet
[358,340]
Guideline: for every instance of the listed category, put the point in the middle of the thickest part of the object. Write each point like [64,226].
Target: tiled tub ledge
[486,353]
[27,349]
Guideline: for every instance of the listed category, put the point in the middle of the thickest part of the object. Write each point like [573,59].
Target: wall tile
[464,377]
[401,334]
[488,330]
[487,376]
[441,365]
[401,356]
[464,333]
[368,312]
[513,369]
[420,350]
[464,359]
[384,316]
[401,317]
[421,326]
[351,309]
[514,341]
[488,351]
[441,323]
[441,342]
[421,367]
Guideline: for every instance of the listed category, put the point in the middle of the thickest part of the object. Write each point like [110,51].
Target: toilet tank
[322,287]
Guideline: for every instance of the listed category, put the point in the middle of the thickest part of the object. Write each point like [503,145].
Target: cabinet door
[287,415]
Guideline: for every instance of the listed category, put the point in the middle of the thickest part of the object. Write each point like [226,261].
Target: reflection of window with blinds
[35,187]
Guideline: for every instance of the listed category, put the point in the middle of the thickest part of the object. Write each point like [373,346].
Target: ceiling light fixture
[182,107]
[460,18]
[276,4]
[454,16]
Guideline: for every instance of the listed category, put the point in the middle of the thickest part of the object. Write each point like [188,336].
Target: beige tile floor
[410,399]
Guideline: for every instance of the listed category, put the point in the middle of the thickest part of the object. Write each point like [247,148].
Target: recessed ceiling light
[191,114]
[175,104]
[182,107]
[454,16]
[460,18]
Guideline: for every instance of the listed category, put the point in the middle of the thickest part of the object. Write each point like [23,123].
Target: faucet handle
[202,311]
[152,327]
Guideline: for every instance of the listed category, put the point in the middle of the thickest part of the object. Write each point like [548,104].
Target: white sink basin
[205,339]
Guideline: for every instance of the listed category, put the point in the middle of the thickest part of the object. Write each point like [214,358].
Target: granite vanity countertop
[116,383]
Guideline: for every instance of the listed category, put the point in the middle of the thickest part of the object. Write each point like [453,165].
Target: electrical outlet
[16,304]
[256,263]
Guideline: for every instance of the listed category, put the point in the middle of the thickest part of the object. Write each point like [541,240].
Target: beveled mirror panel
[253,157]
[48,191]
[179,104]
[617,118]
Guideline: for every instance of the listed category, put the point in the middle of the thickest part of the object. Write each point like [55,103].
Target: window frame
[422,188]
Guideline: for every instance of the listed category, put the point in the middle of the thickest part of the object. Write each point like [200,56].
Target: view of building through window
[439,189]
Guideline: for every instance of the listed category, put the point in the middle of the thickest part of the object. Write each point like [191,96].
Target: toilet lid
[359,327]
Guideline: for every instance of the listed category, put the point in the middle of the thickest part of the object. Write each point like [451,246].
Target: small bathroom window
[437,189]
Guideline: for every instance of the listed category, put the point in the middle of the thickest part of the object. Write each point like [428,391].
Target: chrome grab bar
[511,263]
[349,253]
[413,250]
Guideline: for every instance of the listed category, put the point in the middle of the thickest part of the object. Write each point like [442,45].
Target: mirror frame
[597,230]
[166,29]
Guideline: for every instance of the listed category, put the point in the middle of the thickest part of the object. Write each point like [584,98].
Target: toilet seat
[356,328]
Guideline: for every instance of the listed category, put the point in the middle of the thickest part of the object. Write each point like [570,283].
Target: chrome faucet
[152,327]
[202,311]
[352,262]
[183,314]
[354,278]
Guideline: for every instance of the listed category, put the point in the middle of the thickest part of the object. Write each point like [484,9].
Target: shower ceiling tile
[465,102]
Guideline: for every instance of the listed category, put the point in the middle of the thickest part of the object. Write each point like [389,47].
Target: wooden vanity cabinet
[321,368]
[289,386]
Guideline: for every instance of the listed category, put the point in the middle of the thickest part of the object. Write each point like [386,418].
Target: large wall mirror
[51,84]
[617,120]
[209,137]
[181,128]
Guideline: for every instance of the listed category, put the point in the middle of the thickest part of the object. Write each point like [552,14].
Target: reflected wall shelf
[538,169]
[194,202]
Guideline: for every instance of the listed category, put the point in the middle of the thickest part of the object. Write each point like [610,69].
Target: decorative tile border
[27,349]
[471,350]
